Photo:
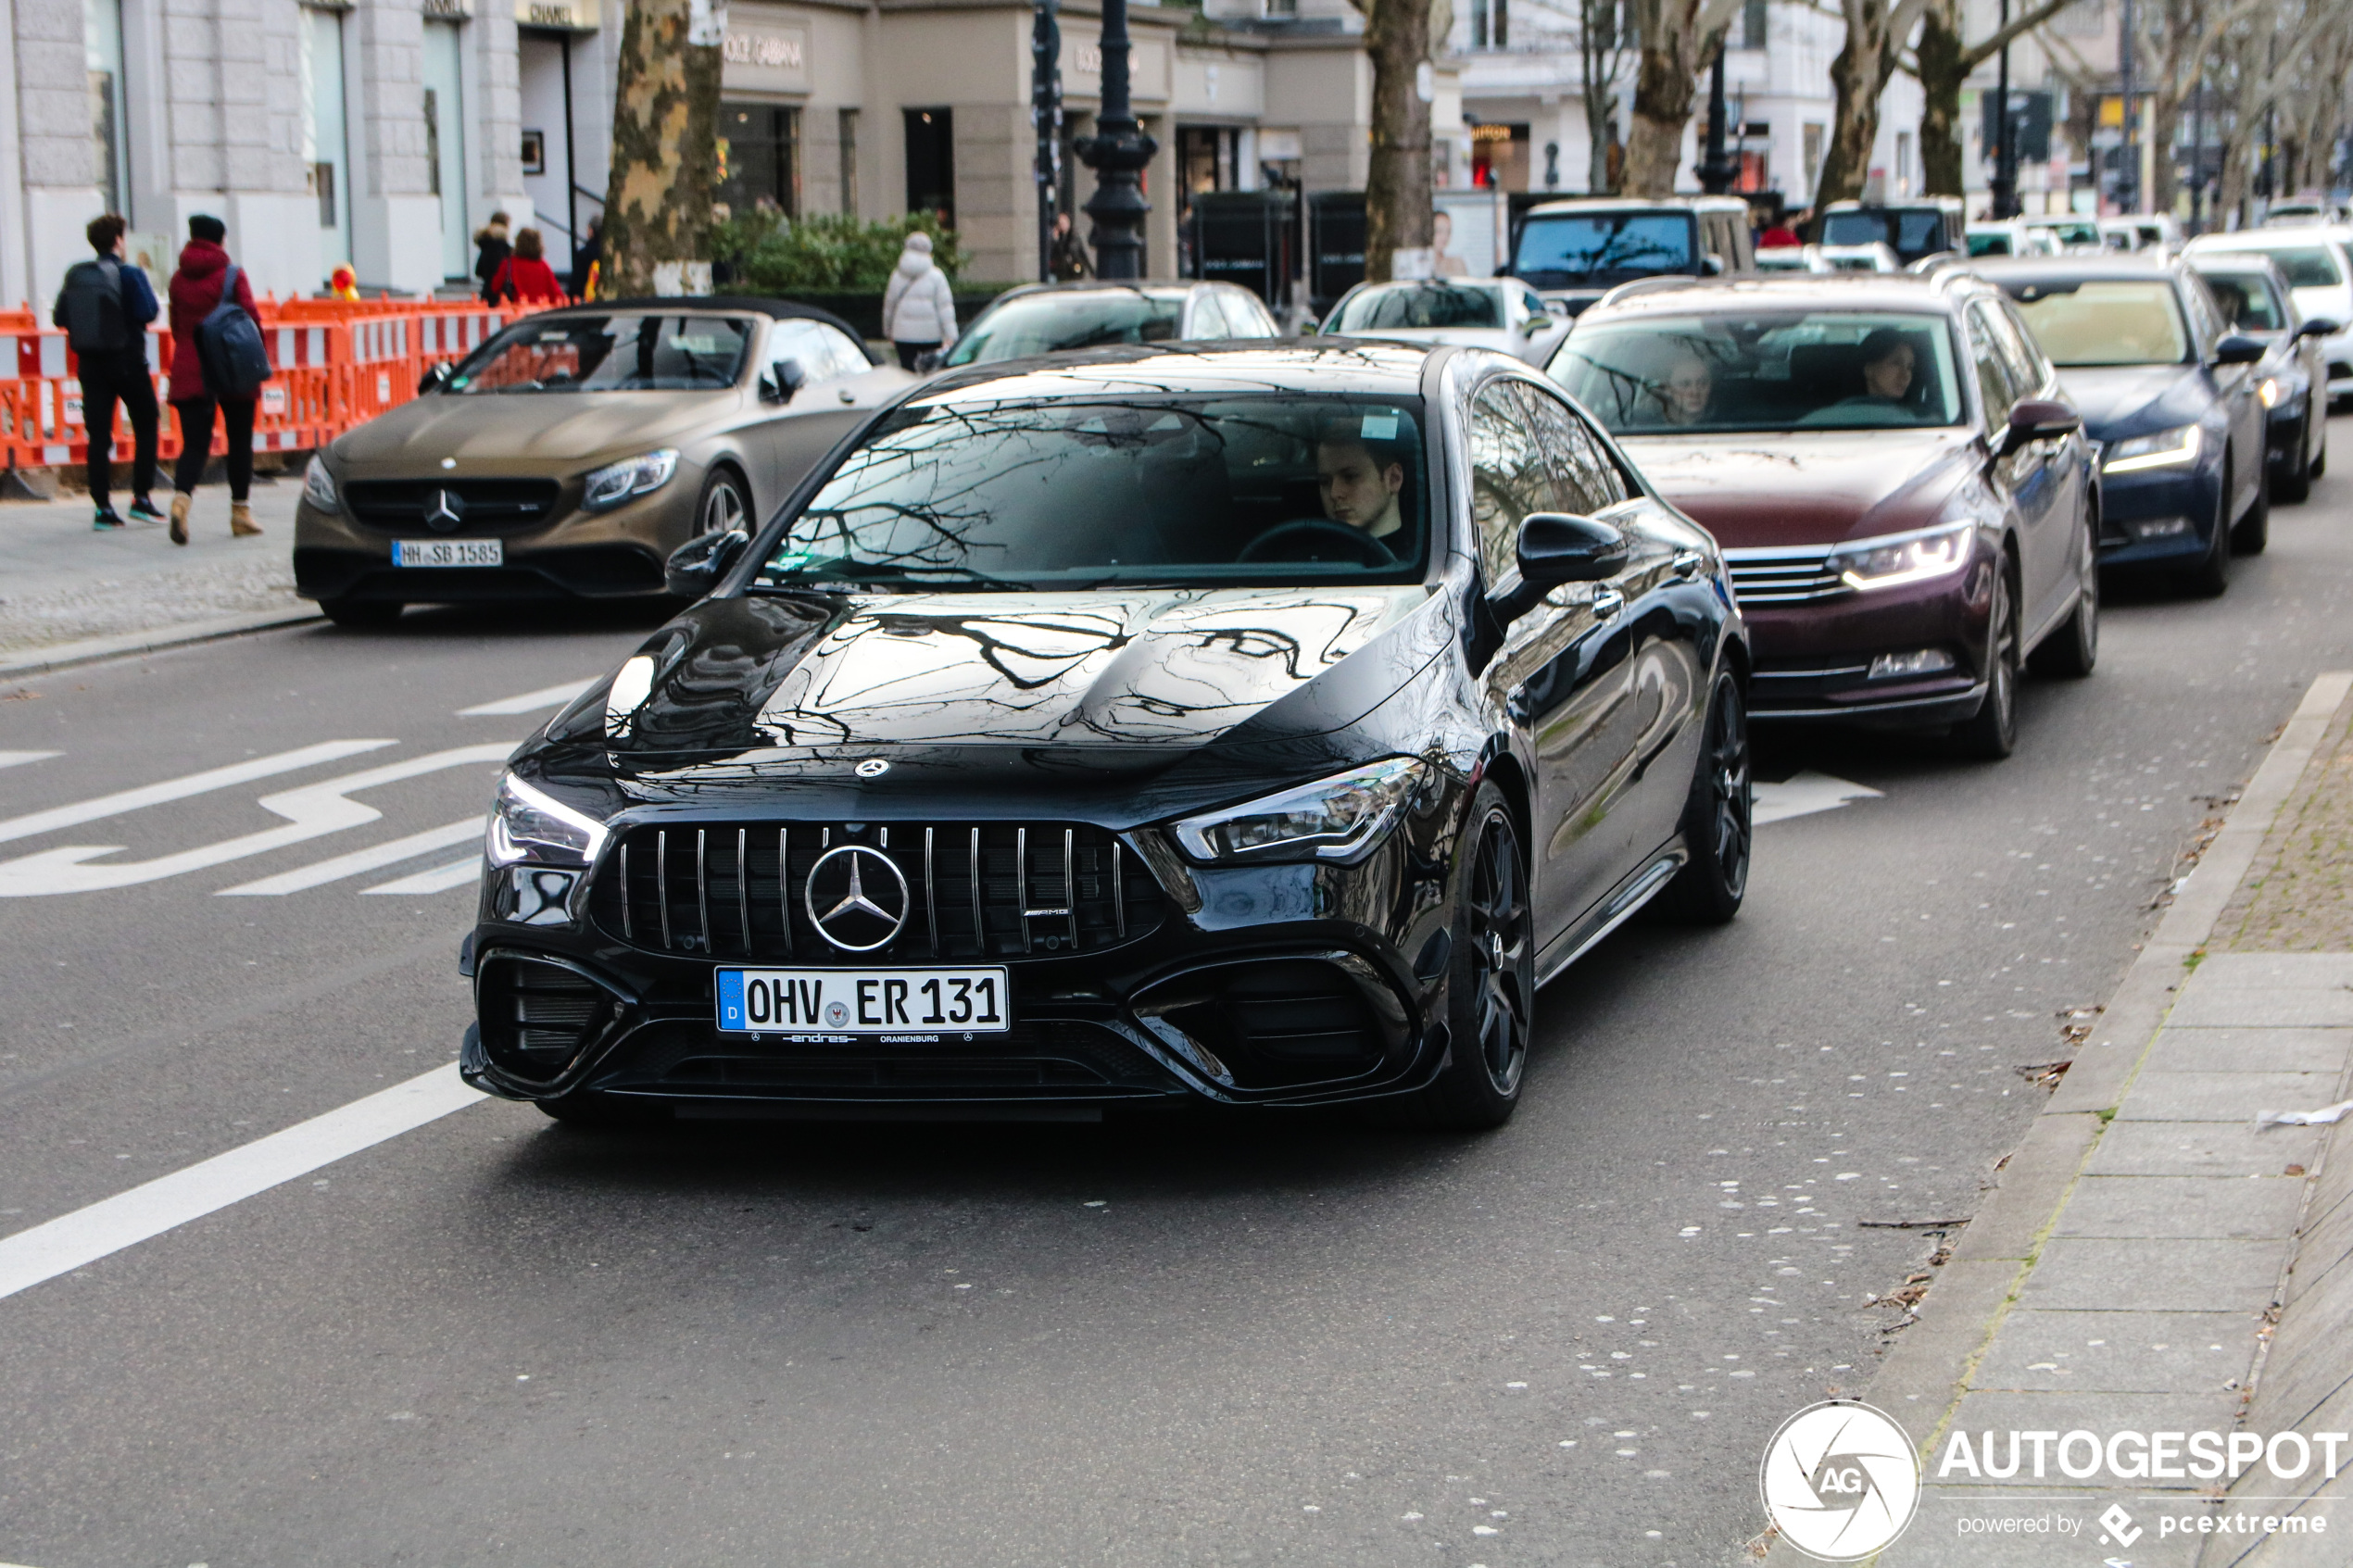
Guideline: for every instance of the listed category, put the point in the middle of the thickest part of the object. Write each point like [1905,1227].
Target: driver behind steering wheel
[1359,486]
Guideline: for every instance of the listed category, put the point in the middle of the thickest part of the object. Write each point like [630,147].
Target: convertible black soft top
[777,309]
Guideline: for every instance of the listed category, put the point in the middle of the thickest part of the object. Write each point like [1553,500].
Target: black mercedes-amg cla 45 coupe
[1248,724]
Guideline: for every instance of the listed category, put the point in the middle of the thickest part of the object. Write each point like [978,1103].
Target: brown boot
[180,503]
[241,523]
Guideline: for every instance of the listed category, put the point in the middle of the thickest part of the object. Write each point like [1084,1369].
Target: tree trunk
[1942,71]
[1398,213]
[1857,75]
[1665,83]
[2165,124]
[665,146]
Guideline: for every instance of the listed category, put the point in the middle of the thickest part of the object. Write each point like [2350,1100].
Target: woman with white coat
[919,313]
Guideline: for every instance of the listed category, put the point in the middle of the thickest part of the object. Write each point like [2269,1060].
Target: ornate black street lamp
[1045,114]
[1716,171]
[1118,153]
[2005,181]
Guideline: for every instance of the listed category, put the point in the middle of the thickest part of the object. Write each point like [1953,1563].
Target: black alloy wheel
[724,508]
[1992,734]
[2254,530]
[2295,482]
[1717,824]
[2071,651]
[362,615]
[2211,575]
[1492,980]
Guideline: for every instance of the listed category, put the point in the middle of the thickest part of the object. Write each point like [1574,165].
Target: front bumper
[2159,518]
[2336,356]
[1814,659]
[1277,985]
[615,555]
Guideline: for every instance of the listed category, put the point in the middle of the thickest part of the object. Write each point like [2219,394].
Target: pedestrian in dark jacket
[105,308]
[491,251]
[525,276]
[196,291]
[585,255]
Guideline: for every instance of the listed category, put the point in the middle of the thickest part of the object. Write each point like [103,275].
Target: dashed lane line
[440,879]
[529,702]
[17,760]
[1804,794]
[374,857]
[180,788]
[75,1240]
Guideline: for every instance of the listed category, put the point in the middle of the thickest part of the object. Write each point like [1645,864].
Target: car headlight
[1871,564]
[1340,819]
[2270,392]
[2164,449]
[527,824]
[318,486]
[616,482]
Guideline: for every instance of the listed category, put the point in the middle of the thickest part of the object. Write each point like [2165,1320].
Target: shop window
[1752,23]
[324,151]
[849,161]
[102,30]
[760,158]
[1490,24]
[931,164]
[445,142]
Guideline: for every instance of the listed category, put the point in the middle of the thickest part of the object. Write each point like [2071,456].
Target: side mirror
[1535,325]
[1557,547]
[2237,349]
[2039,418]
[436,377]
[2319,326]
[1711,265]
[696,567]
[783,379]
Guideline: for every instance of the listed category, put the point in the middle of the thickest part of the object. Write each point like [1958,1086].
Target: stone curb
[1919,1383]
[90,650]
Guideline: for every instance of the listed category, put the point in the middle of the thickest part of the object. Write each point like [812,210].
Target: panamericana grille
[484,505]
[1771,577]
[977,890]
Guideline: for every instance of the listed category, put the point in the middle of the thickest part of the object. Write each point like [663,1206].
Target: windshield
[2078,233]
[616,353]
[2308,267]
[2108,322]
[1050,323]
[1988,245]
[1263,488]
[1767,370]
[1566,251]
[1909,233]
[1419,305]
[2246,301]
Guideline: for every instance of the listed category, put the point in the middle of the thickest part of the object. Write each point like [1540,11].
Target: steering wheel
[1316,538]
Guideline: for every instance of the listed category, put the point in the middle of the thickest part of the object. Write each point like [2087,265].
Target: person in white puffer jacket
[919,312]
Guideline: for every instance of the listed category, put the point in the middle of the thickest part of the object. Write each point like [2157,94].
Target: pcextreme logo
[1840,1481]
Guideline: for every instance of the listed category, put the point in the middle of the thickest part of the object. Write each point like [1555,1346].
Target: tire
[1717,824]
[2069,652]
[1490,986]
[361,615]
[1992,734]
[724,504]
[2296,484]
[603,1113]
[2253,531]
[2211,575]
[2320,459]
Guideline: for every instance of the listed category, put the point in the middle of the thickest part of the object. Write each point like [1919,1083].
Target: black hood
[982,691]
[2128,400]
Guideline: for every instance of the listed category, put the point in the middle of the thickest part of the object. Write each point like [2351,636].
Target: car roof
[1317,365]
[2107,267]
[1150,288]
[2274,239]
[1862,291]
[1571,204]
[2235,261]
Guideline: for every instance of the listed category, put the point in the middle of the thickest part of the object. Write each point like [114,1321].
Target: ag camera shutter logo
[1840,1481]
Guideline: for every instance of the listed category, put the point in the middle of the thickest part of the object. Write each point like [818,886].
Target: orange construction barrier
[335,363]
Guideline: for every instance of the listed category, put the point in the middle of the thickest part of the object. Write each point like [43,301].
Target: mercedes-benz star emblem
[857,899]
[872,768]
[444,510]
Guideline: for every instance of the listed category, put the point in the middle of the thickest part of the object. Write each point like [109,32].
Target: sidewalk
[2151,1260]
[62,582]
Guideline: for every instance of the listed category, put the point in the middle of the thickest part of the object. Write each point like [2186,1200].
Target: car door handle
[1687,564]
[1606,604]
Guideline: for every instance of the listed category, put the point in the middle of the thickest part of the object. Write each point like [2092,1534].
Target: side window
[1509,479]
[1583,478]
[1533,303]
[821,350]
[1993,376]
[1241,314]
[848,359]
[1205,317]
[2016,350]
[2205,320]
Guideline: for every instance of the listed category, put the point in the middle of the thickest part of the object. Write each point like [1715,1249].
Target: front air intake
[537,1016]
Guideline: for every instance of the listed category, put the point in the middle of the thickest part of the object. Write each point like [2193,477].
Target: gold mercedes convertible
[568,455]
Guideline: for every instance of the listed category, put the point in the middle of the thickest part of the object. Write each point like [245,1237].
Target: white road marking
[72,1241]
[530,702]
[17,760]
[440,879]
[1804,795]
[311,811]
[180,789]
[374,857]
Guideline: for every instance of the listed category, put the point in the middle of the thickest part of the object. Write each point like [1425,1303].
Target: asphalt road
[491,1339]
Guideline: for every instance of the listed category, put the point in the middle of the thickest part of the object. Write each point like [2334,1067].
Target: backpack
[228,349]
[94,322]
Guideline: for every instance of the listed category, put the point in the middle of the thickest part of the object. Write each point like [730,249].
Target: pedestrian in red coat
[525,276]
[195,291]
